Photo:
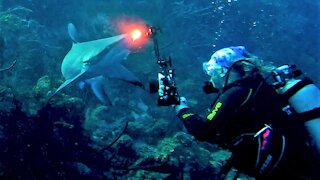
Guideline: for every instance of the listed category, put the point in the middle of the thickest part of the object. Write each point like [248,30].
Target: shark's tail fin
[72,31]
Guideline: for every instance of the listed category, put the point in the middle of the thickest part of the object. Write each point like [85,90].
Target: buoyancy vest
[271,136]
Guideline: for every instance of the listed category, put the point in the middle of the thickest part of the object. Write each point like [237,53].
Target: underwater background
[74,136]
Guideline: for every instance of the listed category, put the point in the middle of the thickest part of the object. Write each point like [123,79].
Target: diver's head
[219,65]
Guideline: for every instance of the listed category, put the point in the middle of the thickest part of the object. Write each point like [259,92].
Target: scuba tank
[303,96]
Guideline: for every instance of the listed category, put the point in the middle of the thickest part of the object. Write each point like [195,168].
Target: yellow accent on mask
[186,115]
[214,111]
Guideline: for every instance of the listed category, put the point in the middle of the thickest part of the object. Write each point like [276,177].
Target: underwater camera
[165,83]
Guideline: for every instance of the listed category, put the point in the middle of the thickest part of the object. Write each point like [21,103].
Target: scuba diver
[268,117]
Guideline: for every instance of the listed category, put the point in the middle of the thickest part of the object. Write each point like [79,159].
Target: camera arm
[167,91]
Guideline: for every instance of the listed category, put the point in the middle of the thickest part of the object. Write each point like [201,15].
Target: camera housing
[166,88]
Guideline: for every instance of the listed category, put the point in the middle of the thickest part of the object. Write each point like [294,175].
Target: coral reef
[62,138]
[23,44]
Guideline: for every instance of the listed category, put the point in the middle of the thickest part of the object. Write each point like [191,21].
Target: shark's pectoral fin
[120,72]
[97,87]
[69,81]
[63,85]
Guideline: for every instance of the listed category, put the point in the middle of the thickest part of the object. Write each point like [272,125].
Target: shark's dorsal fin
[72,31]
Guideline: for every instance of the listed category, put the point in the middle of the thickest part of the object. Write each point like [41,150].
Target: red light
[137,32]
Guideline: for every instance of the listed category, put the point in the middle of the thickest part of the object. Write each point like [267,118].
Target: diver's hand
[183,104]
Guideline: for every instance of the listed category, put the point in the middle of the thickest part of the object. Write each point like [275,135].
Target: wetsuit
[243,108]
[230,113]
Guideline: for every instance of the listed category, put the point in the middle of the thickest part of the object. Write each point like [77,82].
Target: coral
[15,19]
[165,148]
[143,174]
[44,86]
[38,146]
[22,43]
[6,99]
[94,116]
[104,131]
[180,155]
[40,96]
[219,159]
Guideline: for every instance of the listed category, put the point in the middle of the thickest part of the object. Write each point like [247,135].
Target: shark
[93,62]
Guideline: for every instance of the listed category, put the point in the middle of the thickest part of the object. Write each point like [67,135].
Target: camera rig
[165,85]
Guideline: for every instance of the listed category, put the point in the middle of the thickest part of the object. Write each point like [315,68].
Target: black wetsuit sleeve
[221,112]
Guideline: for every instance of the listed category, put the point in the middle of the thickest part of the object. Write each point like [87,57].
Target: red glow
[265,139]
[137,32]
